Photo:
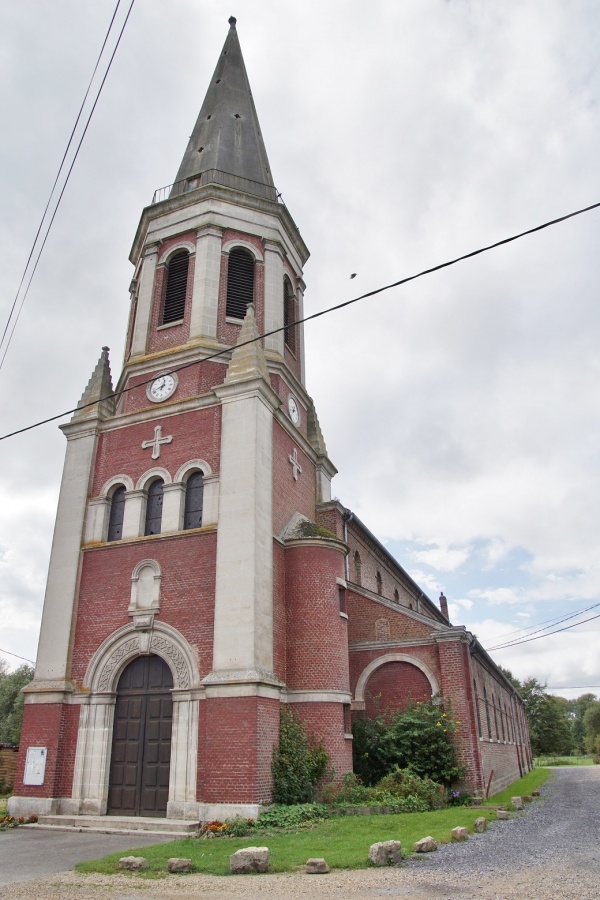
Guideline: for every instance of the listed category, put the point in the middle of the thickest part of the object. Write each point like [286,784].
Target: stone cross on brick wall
[157,441]
[296,467]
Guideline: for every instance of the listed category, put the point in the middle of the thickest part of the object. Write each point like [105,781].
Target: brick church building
[201,575]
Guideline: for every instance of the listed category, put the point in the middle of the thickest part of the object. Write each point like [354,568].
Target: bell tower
[177,525]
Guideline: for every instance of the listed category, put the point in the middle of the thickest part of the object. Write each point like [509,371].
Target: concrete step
[119,824]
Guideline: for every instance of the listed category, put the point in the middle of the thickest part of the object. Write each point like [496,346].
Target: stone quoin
[201,574]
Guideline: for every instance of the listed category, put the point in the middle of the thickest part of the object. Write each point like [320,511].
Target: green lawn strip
[344,842]
[521,788]
[563,761]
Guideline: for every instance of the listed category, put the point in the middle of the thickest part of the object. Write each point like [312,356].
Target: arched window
[357,568]
[117,511]
[289,314]
[240,283]
[379,583]
[154,505]
[477,708]
[396,596]
[194,491]
[176,287]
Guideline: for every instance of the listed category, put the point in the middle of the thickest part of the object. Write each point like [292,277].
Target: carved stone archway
[361,684]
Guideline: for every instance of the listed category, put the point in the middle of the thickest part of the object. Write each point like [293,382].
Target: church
[201,577]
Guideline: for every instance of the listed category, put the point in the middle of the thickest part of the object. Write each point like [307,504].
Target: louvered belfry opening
[289,314]
[194,493]
[154,505]
[176,287]
[117,512]
[240,283]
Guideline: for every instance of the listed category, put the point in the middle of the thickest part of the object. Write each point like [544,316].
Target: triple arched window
[240,283]
[176,287]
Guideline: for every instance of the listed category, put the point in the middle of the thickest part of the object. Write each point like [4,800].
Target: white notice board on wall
[35,765]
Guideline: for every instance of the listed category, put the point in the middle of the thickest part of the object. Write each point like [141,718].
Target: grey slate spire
[227,136]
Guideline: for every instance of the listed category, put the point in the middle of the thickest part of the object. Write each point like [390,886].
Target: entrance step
[118,824]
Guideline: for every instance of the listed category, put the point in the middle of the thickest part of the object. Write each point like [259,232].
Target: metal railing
[215,176]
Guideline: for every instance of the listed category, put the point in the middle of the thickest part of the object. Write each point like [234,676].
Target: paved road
[27,854]
[551,852]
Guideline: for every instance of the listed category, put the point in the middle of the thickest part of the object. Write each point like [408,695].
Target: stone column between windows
[132,515]
[61,589]
[173,495]
[243,624]
[207,274]
[274,296]
[144,304]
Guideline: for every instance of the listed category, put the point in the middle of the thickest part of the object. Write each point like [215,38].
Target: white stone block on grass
[133,863]
[425,845]
[386,853]
[480,824]
[460,834]
[179,865]
[517,802]
[316,866]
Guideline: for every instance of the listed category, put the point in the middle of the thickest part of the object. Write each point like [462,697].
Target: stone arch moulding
[155,472]
[175,248]
[94,737]
[240,242]
[192,464]
[127,643]
[359,694]
[125,480]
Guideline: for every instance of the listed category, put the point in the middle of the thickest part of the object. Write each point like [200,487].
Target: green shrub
[401,791]
[419,739]
[281,816]
[298,763]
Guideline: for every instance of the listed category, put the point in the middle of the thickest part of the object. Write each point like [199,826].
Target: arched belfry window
[289,314]
[154,506]
[117,511]
[194,493]
[176,287]
[240,283]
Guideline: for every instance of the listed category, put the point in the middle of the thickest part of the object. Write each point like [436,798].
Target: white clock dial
[294,410]
[162,387]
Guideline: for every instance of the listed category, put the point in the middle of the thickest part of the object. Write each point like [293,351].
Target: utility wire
[553,621]
[317,315]
[24,658]
[41,249]
[558,630]
[557,622]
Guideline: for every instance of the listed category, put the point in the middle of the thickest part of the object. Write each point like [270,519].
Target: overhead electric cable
[24,658]
[540,636]
[556,622]
[552,620]
[41,249]
[317,315]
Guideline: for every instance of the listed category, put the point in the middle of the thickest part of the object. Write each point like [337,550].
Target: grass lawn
[563,761]
[344,842]
[521,788]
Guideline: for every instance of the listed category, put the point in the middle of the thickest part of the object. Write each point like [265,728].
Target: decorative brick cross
[157,441]
[293,458]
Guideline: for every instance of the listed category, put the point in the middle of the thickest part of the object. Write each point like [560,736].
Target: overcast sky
[461,409]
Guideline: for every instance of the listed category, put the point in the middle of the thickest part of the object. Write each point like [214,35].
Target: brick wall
[394,686]
[51,725]
[325,721]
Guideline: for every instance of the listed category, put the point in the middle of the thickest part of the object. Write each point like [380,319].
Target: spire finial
[232,20]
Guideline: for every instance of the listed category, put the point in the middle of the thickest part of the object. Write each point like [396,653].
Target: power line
[24,658]
[58,202]
[552,620]
[557,622]
[558,630]
[317,315]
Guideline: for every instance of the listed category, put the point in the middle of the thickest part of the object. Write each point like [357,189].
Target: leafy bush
[401,790]
[282,816]
[419,739]
[298,763]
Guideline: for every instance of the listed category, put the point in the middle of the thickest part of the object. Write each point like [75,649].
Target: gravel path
[550,852]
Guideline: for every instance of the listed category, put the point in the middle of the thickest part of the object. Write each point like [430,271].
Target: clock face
[294,410]
[162,387]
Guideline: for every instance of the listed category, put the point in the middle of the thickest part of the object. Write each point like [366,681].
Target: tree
[11,702]
[591,722]
[547,716]
[576,712]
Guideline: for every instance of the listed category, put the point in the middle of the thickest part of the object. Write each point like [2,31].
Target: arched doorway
[141,746]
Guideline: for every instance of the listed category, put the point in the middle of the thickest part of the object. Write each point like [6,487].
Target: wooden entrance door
[141,748]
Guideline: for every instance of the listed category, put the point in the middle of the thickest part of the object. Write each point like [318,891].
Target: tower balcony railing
[215,176]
